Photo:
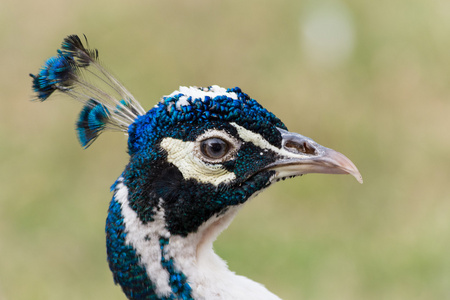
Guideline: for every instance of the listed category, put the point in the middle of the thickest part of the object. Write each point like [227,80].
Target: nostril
[300,147]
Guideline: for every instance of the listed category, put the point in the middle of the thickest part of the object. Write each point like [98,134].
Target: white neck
[193,255]
[207,273]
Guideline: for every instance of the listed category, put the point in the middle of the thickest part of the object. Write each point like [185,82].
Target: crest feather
[77,72]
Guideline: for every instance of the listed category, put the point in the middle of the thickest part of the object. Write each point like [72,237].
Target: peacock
[195,159]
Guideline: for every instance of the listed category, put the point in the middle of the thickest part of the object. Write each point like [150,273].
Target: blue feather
[92,120]
[56,71]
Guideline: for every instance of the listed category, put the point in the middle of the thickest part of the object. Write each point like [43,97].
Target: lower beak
[301,155]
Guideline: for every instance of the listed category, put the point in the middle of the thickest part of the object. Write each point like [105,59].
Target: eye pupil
[214,148]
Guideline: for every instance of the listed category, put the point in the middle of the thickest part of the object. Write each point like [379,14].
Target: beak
[301,155]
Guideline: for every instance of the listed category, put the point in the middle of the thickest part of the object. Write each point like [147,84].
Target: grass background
[373,85]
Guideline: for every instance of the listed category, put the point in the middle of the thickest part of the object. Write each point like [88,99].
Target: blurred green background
[370,79]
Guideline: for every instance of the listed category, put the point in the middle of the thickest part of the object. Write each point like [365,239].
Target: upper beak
[301,155]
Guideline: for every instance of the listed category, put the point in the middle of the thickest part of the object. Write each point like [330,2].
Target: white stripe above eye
[259,141]
[182,155]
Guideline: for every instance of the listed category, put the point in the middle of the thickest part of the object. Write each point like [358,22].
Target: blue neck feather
[127,268]
[123,260]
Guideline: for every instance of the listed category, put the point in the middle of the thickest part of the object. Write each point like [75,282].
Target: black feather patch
[72,46]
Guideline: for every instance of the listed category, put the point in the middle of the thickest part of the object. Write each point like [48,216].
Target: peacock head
[203,150]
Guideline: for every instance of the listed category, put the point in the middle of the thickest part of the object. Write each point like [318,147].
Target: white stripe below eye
[182,155]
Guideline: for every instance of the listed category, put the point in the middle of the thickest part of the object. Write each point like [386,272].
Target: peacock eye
[214,148]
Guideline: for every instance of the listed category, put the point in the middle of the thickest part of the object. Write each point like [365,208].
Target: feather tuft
[56,72]
[77,72]
[91,122]
[73,47]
